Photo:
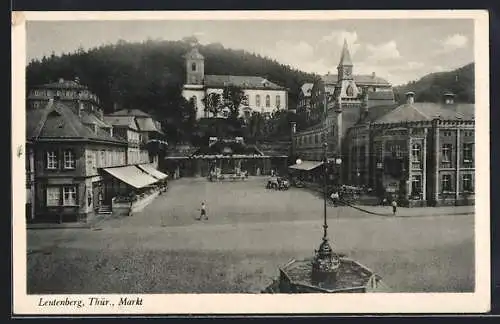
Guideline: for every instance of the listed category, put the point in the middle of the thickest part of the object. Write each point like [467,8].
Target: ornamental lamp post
[326,263]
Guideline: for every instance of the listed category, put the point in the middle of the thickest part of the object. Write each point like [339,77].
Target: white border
[479,301]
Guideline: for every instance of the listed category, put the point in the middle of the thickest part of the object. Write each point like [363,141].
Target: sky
[399,50]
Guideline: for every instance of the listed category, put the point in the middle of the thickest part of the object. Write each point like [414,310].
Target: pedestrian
[394,207]
[203,211]
[335,197]
[384,202]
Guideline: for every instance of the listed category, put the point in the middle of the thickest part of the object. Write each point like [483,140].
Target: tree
[213,104]
[233,98]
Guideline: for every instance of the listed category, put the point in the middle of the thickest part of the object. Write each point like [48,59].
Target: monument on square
[327,271]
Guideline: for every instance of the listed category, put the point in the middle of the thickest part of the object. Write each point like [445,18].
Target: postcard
[250,162]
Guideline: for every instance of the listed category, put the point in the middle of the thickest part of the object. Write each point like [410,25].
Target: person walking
[394,207]
[203,211]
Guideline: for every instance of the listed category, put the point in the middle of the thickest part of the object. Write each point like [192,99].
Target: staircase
[104,210]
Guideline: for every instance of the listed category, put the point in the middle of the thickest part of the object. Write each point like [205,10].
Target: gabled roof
[424,111]
[242,81]
[58,121]
[360,79]
[121,121]
[130,112]
[345,56]
[147,125]
[88,118]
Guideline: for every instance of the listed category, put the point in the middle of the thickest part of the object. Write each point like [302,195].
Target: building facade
[419,153]
[341,107]
[67,156]
[77,163]
[260,95]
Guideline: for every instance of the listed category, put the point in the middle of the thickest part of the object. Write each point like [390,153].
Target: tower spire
[345,57]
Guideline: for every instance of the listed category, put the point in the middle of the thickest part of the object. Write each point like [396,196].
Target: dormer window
[193,66]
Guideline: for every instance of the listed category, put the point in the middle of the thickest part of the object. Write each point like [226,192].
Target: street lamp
[325,263]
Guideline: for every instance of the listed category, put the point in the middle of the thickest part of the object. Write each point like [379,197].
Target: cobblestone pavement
[250,232]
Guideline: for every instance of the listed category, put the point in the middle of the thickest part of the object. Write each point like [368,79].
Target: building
[30,181]
[68,91]
[68,154]
[341,105]
[261,95]
[79,165]
[147,140]
[304,100]
[419,153]
[324,91]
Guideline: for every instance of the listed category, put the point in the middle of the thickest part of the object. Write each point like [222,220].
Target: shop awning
[306,165]
[132,175]
[152,171]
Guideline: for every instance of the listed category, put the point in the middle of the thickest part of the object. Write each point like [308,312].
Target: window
[69,159]
[102,162]
[193,66]
[416,185]
[36,104]
[467,183]
[316,140]
[53,196]
[51,160]
[415,153]
[468,149]
[446,182]
[69,196]
[446,153]
[278,101]
[396,151]
[268,101]
[257,100]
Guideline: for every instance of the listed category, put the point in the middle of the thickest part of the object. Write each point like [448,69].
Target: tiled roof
[245,82]
[194,54]
[422,111]
[345,56]
[147,125]
[378,111]
[360,79]
[307,89]
[381,95]
[88,118]
[121,121]
[63,84]
[130,112]
[58,121]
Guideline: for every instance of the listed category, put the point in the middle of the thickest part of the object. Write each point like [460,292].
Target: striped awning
[152,171]
[306,165]
[132,176]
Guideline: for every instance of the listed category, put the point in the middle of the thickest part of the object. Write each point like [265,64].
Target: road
[250,232]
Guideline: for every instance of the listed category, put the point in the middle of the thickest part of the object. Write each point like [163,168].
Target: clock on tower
[347,71]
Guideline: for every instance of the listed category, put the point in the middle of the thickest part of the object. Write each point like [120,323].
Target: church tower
[346,87]
[195,67]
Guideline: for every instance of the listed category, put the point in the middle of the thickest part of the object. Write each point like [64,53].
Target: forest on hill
[141,75]
[431,87]
[149,76]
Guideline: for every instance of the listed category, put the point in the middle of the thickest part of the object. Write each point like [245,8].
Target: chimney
[373,75]
[410,97]
[449,98]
